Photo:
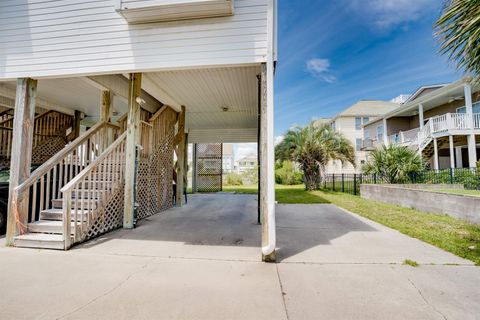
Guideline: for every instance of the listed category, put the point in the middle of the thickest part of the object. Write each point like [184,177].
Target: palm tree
[393,164]
[458,30]
[312,147]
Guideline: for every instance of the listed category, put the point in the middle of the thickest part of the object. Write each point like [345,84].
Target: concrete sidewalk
[202,261]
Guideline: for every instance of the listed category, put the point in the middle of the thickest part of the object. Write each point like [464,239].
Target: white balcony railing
[436,125]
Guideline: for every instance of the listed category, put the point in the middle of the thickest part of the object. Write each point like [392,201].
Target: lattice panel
[110,216]
[155,171]
[209,167]
[48,149]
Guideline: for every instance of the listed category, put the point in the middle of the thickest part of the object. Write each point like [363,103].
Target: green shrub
[233,179]
[288,174]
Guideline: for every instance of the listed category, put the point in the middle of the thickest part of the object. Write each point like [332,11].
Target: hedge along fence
[350,183]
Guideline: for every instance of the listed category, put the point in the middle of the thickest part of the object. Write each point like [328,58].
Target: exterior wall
[396,124]
[458,206]
[346,125]
[49,38]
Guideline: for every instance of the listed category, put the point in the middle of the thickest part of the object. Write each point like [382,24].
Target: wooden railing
[91,189]
[49,124]
[44,184]
[5,142]
[146,139]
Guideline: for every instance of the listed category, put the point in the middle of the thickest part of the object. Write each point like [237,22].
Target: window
[476,108]
[333,126]
[365,120]
[380,132]
[358,143]
[366,134]
[358,123]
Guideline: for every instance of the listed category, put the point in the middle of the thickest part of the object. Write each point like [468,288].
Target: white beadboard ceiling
[205,91]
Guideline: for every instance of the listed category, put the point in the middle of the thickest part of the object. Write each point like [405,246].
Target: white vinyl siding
[54,38]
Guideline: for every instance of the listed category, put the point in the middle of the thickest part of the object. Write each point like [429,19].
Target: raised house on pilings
[124,82]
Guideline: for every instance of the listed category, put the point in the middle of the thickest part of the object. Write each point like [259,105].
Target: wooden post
[267,191]
[133,126]
[21,155]
[106,110]
[76,123]
[106,116]
[180,157]
[194,168]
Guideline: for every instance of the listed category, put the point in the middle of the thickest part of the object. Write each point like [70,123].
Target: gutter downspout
[269,249]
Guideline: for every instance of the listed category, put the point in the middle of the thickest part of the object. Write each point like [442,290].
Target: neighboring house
[350,123]
[442,122]
[228,162]
[246,163]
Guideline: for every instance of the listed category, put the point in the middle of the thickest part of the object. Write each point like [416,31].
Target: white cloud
[278,139]
[320,68]
[388,14]
[244,149]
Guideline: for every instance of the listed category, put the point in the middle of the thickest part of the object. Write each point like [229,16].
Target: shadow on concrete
[231,220]
[301,227]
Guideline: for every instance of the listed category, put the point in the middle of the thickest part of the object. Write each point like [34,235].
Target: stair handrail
[53,161]
[116,151]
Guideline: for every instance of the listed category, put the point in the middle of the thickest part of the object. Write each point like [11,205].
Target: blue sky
[333,53]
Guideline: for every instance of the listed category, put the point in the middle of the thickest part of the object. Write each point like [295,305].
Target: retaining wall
[458,206]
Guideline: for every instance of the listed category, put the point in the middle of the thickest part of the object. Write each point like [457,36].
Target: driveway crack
[282,292]
[425,299]
[109,292]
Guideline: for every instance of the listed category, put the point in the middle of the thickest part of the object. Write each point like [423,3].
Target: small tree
[394,164]
[312,147]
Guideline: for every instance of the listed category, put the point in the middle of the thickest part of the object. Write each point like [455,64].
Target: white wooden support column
[133,127]
[472,148]
[452,153]
[22,140]
[180,158]
[472,151]
[267,185]
[435,154]
[459,157]
[421,119]
[385,136]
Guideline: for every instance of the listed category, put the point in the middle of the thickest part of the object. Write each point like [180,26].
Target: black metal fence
[350,183]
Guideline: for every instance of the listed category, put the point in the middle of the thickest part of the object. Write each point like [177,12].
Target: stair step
[40,240]
[48,226]
[58,203]
[57,214]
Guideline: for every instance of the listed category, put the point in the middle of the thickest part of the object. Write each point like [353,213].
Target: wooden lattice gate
[208,171]
[155,166]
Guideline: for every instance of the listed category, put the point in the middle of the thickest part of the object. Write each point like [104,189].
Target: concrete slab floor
[202,261]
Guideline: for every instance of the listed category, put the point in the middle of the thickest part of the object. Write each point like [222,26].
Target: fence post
[343,182]
[333,181]
[375,178]
[451,175]
[354,184]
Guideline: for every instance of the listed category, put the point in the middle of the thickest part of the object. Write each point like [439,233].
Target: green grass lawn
[475,193]
[453,235]
[283,194]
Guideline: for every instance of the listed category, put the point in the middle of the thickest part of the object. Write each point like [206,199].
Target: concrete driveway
[202,262]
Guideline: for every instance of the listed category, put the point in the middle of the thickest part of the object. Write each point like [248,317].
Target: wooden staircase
[74,195]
